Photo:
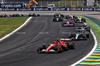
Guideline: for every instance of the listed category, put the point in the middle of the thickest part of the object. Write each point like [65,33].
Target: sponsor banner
[40,9]
[96,9]
[87,9]
[59,9]
[75,9]
[24,9]
[54,9]
[8,9]
[11,5]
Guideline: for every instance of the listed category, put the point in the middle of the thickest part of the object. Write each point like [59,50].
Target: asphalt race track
[20,48]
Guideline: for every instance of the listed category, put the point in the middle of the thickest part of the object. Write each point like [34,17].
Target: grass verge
[95,27]
[8,24]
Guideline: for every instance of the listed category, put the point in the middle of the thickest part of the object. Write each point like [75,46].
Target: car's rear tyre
[53,20]
[71,45]
[39,50]
[87,35]
[63,25]
[59,48]
[38,14]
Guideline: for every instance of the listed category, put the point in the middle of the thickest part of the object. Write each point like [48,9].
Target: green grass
[93,23]
[8,24]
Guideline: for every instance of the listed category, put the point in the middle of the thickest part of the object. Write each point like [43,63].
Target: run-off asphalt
[20,48]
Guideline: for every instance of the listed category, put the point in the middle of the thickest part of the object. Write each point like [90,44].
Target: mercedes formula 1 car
[80,20]
[68,23]
[79,35]
[83,29]
[33,15]
[57,46]
[85,26]
[57,19]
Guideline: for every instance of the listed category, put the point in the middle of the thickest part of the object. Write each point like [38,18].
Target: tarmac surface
[20,48]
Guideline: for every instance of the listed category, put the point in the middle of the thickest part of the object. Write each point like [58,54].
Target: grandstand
[58,3]
[27,0]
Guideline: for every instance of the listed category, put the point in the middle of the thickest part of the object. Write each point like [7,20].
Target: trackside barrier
[54,9]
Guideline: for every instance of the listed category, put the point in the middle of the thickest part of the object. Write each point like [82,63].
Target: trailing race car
[13,15]
[17,15]
[79,35]
[58,15]
[57,19]
[68,23]
[57,46]
[73,17]
[33,15]
[86,27]
[80,20]
[4,15]
[83,29]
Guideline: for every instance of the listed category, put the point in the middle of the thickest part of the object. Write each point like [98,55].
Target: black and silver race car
[58,15]
[83,27]
[57,19]
[79,35]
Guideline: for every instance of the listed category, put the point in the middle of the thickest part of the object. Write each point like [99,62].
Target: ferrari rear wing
[65,39]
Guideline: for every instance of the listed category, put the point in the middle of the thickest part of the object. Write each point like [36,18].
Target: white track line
[95,46]
[16,29]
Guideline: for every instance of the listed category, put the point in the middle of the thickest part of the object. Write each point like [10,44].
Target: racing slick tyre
[65,48]
[54,15]
[53,20]
[88,29]
[76,20]
[29,15]
[83,19]
[62,16]
[87,35]
[83,36]
[63,25]
[59,48]
[61,20]
[22,15]
[71,45]
[38,15]
[39,50]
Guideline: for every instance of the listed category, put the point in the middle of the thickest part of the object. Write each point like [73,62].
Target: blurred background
[56,3]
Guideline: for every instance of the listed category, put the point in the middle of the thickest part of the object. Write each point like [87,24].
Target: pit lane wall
[49,9]
[93,59]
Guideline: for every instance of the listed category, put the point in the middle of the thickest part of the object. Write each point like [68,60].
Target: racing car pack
[82,32]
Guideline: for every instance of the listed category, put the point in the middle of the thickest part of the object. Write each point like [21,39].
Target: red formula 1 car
[57,46]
